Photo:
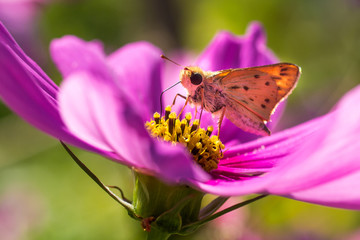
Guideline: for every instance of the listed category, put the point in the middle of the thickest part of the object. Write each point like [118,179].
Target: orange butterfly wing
[252,94]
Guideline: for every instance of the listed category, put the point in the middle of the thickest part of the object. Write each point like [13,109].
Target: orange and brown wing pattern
[258,89]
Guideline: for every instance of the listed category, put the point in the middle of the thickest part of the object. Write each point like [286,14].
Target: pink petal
[98,113]
[138,68]
[92,110]
[230,51]
[330,153]
[44,81]
[29,92]
[321,154]
[72,54]
[342,192]
[76,111]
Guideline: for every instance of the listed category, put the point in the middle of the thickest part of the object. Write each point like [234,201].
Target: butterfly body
[247,95]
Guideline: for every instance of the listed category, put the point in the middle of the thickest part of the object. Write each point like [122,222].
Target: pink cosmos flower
[104,102]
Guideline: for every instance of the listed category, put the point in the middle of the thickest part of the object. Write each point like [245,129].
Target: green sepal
[169,222]
[157,234]
[171,206]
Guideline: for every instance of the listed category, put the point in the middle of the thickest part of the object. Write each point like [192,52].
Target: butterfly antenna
[166,58]
[163,93]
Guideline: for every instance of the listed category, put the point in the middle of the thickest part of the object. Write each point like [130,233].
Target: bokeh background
[45,195]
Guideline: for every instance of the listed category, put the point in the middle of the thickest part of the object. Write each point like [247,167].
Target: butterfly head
[191,78]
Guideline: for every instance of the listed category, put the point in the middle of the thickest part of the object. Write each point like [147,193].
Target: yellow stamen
[206,150]
[188,118]
[167,112]
[209,130]
[157,118]
[195,125]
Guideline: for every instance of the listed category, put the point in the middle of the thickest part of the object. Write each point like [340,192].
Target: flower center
[205,149]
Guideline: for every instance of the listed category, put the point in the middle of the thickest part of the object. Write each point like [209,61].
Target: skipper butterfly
[246,96]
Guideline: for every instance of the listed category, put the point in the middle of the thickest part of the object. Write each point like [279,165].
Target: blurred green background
[45,195]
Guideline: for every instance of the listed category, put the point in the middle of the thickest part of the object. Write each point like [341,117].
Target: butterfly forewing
[251,94]
[284,74]
[258,89]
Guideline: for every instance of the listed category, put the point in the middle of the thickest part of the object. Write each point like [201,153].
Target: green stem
[156,234]
[125,204]
[212,207]
[229,209]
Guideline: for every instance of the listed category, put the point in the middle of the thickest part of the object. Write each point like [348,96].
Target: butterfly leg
[202,105]
[220,120]
[186,102]
[201,111]
[176,97]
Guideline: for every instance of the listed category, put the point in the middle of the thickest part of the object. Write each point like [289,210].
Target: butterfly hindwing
[246,120]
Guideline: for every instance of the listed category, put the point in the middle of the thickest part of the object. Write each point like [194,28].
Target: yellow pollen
[205,149]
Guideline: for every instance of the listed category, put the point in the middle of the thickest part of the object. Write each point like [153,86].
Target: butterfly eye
[196,78]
